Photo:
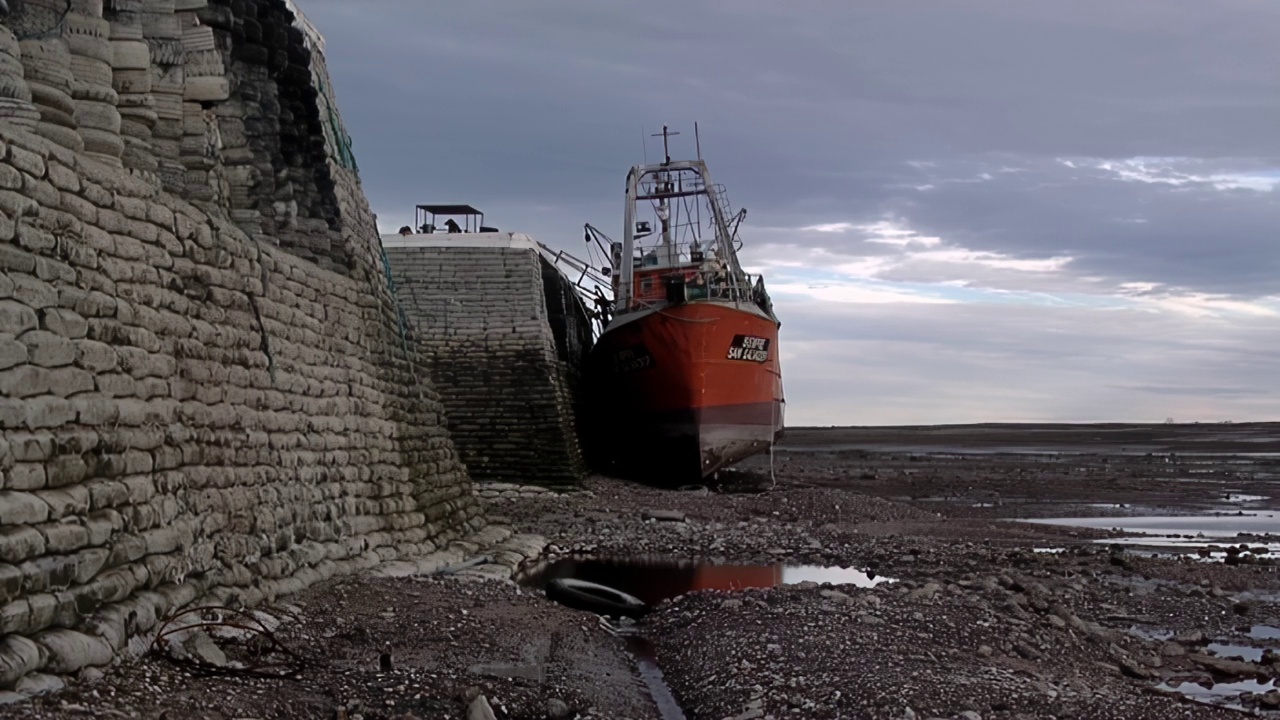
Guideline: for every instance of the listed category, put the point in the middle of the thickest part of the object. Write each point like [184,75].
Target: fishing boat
[684,379]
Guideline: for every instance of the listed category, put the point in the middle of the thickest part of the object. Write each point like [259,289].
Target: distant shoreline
[1158,438]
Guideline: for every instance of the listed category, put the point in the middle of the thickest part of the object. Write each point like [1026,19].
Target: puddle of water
[1232,454]
[656,580]
[1243,498]
[651,674]
[1264,632]
[1242,652]
[1006,500]
[835,575]
[1191,545]
[1208,525]
[1218,691]
[1258,596]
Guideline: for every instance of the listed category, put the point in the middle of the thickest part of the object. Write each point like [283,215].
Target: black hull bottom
[678,448]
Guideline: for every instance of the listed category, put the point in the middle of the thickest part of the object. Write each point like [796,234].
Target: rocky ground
[445,641]
[1050,638]
[979,617]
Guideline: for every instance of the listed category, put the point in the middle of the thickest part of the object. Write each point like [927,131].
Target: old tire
[595,598]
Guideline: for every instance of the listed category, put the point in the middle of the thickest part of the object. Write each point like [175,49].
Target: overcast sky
[966,211]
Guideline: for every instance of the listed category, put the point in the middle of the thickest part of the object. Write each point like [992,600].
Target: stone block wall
[278,129]
[198,400]
[503,332]
[572,333]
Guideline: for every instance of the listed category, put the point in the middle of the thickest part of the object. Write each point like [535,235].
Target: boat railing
[704,254]
[690,281]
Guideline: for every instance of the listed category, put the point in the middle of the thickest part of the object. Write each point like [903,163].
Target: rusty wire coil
[274,660]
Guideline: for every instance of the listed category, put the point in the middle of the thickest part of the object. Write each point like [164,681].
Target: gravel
[449,641]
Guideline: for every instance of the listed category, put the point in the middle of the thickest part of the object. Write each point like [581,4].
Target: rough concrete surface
[505,338]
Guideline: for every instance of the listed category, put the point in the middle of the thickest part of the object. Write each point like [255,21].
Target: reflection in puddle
[1218,691]
[834,575]
[1241,498]
[1241,652]
[1264,632]
[1208,551]
[1207,525]
[656,580]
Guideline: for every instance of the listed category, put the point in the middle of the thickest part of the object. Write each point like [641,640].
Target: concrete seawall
[206,394]
[505,336]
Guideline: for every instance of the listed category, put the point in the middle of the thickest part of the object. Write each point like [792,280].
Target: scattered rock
[508,670]
[480,710]
[39,684]
[1223,666]
[925,592]
[557,709]
[1191,637]
[202,647]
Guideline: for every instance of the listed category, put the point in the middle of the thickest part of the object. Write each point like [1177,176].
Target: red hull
[681,392]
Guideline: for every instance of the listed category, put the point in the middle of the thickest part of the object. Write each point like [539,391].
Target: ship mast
[664,187]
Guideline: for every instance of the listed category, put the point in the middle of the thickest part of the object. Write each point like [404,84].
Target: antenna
[644,145]
[697,139]
[666,147]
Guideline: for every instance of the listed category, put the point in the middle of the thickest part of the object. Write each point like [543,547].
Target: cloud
[1229,392]
[890,251]
[950,363]
[839,227]
[890,233]
[1166,171]
[961,256]
[1201,305]
[851,292]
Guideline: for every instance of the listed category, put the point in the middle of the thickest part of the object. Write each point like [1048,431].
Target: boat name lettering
[749,348]
[632,359]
